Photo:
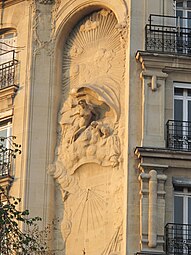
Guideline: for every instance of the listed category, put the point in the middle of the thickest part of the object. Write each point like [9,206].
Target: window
[6,164]
[8,62]
[182,205]
[183,23]
[183,10]
[8,42]
[6,131]
[182,219]
[182,116]
[182,102]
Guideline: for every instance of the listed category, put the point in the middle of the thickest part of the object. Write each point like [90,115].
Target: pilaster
[152,207]
[153,108]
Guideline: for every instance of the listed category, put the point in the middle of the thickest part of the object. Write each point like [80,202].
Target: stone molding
[160,161]
[6,98]
[165,62]
[153,80]
[152,207]
[163,157]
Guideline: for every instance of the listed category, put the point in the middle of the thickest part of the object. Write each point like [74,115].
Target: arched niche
[69,15]
[90,83]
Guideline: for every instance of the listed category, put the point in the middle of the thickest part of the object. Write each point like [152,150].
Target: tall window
[182,116]
[183,23]
[182,205]
[6,165]
[183,9]
[6,131]
[8,42]
[182,102]
[8,62]
[182,220]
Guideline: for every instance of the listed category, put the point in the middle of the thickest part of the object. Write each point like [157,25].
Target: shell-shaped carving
[93,53]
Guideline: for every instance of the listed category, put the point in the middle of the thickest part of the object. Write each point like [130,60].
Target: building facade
[98,93]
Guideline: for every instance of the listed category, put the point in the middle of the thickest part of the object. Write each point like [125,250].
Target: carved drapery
[88,163]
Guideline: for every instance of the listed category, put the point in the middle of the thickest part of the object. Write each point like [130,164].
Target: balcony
[168,34]
[179,135]
[8,151]
[178,239]
[8,69]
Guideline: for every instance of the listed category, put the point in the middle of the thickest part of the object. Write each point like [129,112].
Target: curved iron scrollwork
[163,34]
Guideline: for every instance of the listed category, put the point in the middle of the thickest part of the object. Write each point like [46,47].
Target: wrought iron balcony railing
[168,34]
[179,135]
[8,151]
[8,70]
[178,239]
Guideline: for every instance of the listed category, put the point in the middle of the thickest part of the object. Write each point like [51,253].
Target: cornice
[163,61]
[163,157]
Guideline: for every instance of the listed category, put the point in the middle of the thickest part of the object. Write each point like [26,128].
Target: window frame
[6,125]
[185,194]
[185,98]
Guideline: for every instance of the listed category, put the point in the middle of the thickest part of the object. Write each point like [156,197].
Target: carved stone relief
[93,53]
[86,131]
[43,14]
[88,158]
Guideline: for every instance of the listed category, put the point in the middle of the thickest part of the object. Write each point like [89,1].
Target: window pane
[188,20]
[178,91]
[178,109]
[189,210]
[179,4]
[3,133]
[189,92]
[178,210]
[178,188]
[189,110]
[179,22]
[188,3]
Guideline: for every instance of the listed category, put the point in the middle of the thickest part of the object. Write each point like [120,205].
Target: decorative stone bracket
[152,207]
